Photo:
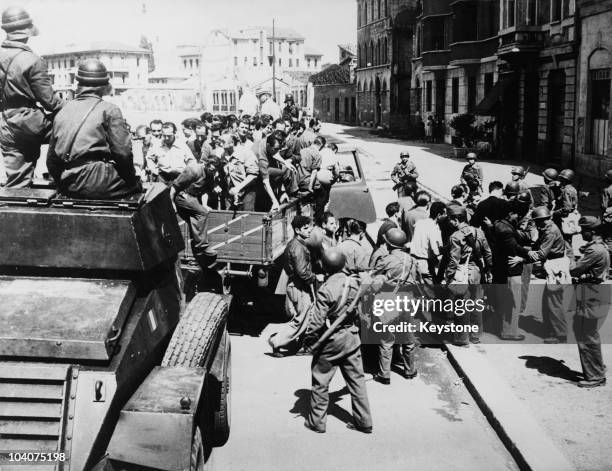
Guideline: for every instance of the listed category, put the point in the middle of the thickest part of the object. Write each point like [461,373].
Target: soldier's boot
[410,370]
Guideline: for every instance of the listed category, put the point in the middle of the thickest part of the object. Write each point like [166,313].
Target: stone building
[335,98]
[593,135]
[384,67]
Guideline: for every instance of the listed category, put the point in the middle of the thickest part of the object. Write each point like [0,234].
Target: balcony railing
[435,58]
[522,40]
[474,49]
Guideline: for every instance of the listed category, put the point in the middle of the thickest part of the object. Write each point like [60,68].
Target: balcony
[436,7]
[521,42]
[435,58]
[474,50]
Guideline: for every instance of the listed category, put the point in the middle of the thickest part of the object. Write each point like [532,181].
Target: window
[471,94]
[385,51]
[328,105]
[185,63]
[297,63]
[235,61]
[385,7]
[378,15]
[290,48]
[532,14]
[509,13]
[365,12]
[191,63]
[254,61]
[280,46]
[488,83]
[271,48]
[138,62]
[280,62]
[308,63]
[428,95]
[246,61]
[455,95]
[65,64]
[600,110]
[316,63]
[555,10]
[290,62]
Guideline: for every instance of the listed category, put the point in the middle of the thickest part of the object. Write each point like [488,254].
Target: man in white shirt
[168,158]
[426,242]
[267,105]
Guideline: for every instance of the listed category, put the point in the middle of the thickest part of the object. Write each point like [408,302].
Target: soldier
[509,254]
[511,190]
[566,211]
[593,300]
[354,249]
[27,100]
[549,193]
[550,250]
[518,175]
[469,265]
[396,269]
[291,112]
[342,349]
[90,153]
[472,174]
[300,287]
[405,171]
[606,193]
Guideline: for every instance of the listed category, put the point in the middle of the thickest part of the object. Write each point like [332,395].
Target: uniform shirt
[568,199]
[507,243]
[550,243]
[327,306]
[169,162]
[382,230]
[548,195]
[606,198]
[427,239]
[378,254]
[404,172]
[411,217]
[472,172]
[27,84]
[103,136]
[291,112]
[193,180]
[595,262]
[397,266]
[357,256]
[297,263]
[461,252]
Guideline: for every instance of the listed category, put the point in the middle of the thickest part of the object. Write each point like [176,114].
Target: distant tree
[148,45]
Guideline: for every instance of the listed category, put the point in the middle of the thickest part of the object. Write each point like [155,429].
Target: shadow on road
[302,404]
[551,367]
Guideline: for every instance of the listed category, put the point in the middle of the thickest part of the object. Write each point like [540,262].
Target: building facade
[335,98]
[128,66]
[593,136]
[385,31]
[232,61]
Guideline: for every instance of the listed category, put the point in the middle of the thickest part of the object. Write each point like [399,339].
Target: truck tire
[196,331]
[222,416]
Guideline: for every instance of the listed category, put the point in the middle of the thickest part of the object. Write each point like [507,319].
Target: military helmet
[395,238]
[405,153]
[524,197]
[541,212]
[15,18]
[92,73]
[609,175]
[288,97]
[567,175]
[550,174]
[512,188]
[471,156]
[518,170]
[456,210]
[589,223]
[333,260]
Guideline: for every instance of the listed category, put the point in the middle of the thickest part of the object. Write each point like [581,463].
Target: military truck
[103,366]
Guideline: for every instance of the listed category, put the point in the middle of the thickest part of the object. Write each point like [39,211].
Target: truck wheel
[196,331]
[222,416]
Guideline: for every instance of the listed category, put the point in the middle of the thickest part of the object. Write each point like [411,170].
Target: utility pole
[273,60]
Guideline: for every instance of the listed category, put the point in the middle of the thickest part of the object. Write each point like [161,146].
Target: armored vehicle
[103,366]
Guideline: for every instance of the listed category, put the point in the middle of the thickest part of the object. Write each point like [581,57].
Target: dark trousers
[285,177]
[508,304]
[553,316]
[195,215]
[589,347]
[407,353]
[324,366]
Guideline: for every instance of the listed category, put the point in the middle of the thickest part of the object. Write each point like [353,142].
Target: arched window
[385,51]
[365,12]
[371,52]
[378,11]
[385,8]
[377,61]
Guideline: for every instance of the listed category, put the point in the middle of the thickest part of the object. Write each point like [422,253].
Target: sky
[324,23]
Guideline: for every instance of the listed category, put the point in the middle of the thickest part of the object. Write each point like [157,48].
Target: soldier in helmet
[469,265]
[342,349]
[90,153]
[549,193]
[566,210]
[606,193]
[472,174]
[404,172]
[511,190]
[291,112]
[27,100]
[395,270]
[518,175]
[593,301]
[550,250]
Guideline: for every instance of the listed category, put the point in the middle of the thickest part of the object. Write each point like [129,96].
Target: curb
[515,425]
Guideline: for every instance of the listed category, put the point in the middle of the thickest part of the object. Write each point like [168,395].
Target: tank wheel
[200,460]
[222,416]
[197,331]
